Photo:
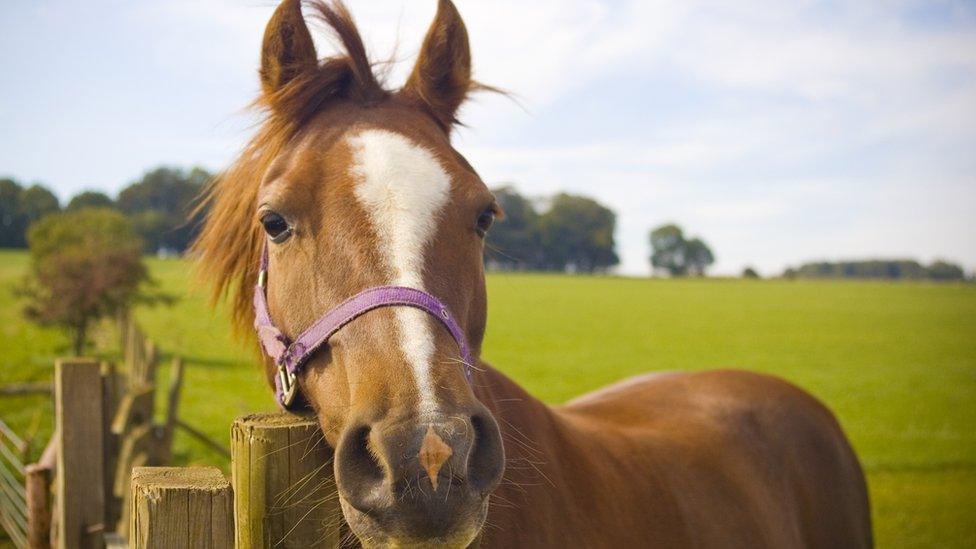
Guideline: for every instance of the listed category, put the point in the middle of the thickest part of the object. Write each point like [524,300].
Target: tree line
[897,269]
[158,205]
[559,233]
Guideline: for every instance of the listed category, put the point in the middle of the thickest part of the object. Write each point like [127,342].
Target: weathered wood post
[172,411]
[37,481]
[80,478]
[284,490]
[180,508]
[112,384]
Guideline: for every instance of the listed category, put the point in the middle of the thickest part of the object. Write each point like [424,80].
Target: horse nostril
[486,462]
[359,474]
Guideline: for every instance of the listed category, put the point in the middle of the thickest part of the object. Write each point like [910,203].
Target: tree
[699,256]
[84,266]
[751,273]
[513,243]
[577,234]
[160,205]
[943,270]
[12,222]
[36,202]
[668,250]
[678,256]
[89,199]
[19,207]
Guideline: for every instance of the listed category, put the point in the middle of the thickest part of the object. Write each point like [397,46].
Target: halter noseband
[291,356]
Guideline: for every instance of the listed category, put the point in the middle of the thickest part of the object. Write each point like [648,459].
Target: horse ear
[288,50]
[441,79]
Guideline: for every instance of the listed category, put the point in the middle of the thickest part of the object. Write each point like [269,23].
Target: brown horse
[352,186]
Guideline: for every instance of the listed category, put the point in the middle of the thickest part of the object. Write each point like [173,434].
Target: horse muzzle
[415,482]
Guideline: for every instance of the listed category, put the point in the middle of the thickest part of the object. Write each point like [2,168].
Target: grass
[896,362]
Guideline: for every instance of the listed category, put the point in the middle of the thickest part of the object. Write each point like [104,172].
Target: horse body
[714,459]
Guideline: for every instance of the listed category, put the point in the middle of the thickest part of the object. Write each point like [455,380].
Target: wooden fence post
[112,386]
[180,508]
[80,481]
[172,410]
[37,480]
[284,490]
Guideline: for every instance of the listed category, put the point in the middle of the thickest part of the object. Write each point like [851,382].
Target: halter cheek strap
[291,356]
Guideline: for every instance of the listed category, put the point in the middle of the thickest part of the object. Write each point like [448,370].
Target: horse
[348,188]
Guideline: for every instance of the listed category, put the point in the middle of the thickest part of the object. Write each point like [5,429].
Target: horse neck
[544,458]
[533,433]
[552,456]
[512,406]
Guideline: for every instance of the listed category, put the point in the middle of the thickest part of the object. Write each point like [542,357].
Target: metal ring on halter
[289,387]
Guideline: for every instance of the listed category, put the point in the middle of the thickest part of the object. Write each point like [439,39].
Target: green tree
[750,272]
[699,256]
[36,202]
[89,199]
[513,243]
[678,256]
[19,207]
[160,205]
[84,266]
[668,250]
[577,234]
[12,222]
[943,270]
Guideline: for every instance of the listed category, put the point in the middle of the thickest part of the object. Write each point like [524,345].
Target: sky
[778,131]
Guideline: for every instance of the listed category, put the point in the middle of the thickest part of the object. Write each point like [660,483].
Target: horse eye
[276,227]
[485,221]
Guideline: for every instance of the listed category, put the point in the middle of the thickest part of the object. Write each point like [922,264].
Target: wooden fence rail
[13,496]
[29,388]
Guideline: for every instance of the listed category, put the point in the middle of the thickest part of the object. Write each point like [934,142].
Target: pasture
[895,361]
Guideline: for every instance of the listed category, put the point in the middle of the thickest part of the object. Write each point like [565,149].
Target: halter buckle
[262,278]
[289,385]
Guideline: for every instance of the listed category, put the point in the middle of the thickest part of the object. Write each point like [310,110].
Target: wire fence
[13,496]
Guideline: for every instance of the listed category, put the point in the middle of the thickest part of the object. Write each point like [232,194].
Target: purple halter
[291,356]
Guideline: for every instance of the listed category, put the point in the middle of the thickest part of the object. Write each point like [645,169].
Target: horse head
[349,186]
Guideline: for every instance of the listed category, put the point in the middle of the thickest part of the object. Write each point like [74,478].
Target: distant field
[896,362]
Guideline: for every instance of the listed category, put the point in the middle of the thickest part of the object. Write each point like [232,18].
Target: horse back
[746,459]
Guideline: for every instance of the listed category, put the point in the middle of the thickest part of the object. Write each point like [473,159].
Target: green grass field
[896,362]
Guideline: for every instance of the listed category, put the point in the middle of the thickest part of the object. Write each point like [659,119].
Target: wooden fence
[282,493]
[100,481]
[77,494]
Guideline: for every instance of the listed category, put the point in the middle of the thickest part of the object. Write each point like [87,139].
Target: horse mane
[228,248]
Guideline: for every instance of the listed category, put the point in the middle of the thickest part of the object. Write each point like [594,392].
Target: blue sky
[778,131]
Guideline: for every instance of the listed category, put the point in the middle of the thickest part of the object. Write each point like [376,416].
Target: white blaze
[403,188]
